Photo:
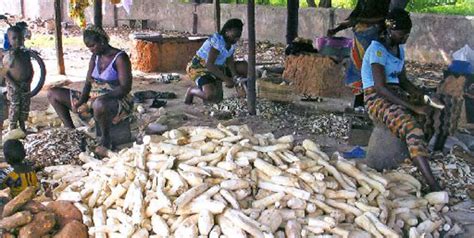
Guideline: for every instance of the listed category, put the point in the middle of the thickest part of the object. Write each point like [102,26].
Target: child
[18,78]
[19,176]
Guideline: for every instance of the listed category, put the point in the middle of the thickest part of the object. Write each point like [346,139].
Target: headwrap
[398,19]
[97,31]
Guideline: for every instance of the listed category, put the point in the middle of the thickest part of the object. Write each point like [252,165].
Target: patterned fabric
[363,36]
[217,42]
[197,70]
[85,112]
[399,120]
[76,11]
[377,53]
[19,98]
[102,83]
[17,182]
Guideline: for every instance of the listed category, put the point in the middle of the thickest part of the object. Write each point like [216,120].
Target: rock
[385,150]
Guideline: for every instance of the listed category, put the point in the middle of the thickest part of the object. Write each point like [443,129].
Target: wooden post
[195,19]
[217,14]
[292,20]
[22,8]
[59,37]
[115,16]
[98,13]
[251,94]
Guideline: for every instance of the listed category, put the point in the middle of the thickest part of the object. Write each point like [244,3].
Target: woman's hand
[228,82]
[76,106]
[331,32]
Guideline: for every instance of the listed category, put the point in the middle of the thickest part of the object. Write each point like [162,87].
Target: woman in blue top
[384,82]
[214,63]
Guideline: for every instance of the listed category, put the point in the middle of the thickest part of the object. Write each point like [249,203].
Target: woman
[366,21]
[105,96]
[384,78]
[214,63]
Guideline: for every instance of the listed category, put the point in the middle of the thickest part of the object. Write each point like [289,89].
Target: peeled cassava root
[229,181]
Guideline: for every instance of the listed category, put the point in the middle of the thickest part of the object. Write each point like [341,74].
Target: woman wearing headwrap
[105,96]
[367,21]
[385,83]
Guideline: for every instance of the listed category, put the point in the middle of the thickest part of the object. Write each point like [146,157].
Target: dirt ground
[77,58]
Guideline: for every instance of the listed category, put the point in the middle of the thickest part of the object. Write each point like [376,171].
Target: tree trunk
[325,3]
[98,13]
[59,37]
[251,94]
[311,3]
[217,15]
[292,20]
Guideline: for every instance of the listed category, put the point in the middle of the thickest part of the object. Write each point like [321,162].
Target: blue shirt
[378,54]
[6,42]
[217,42]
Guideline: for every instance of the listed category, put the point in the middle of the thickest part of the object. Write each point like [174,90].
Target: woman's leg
[104,112]
[404,125]
[206,93]
[60,99]
[242,68]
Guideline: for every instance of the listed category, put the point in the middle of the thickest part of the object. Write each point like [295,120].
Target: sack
[464,54]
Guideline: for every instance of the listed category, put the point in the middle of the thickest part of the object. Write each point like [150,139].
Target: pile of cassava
[229,182]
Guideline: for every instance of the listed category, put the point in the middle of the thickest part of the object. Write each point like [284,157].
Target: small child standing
[19,175]
[18,75]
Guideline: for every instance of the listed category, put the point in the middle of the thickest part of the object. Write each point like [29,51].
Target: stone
[385,150]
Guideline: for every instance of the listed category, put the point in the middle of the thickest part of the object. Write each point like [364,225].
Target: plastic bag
[464,54]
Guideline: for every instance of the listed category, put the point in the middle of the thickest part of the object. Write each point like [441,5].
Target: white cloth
[127,5]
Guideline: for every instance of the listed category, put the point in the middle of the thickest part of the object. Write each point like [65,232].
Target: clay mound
[315,75]
[163,56]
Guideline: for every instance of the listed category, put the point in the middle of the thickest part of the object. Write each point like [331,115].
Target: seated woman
[367,21]
[384,78]
[208,67]
[105,96]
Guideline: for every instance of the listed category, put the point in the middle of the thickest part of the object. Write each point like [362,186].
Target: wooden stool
[385,150]
[119,133]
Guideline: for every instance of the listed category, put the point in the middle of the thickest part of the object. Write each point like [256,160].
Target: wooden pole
[115,16]
[251,94]
[98,13]
[195,18]
[59,37]
[22,8]
[217,14]
[292,20]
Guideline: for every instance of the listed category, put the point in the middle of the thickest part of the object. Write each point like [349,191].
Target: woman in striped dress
[385,85]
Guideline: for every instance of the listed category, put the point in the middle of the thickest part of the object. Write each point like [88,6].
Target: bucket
[334,46]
